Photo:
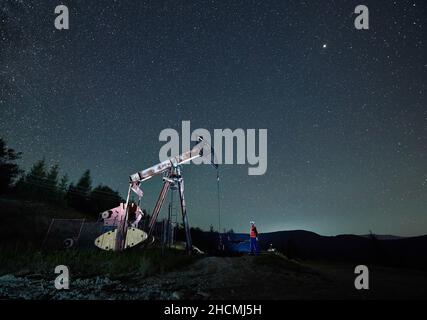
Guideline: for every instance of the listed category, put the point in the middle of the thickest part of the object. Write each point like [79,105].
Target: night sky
[346,110]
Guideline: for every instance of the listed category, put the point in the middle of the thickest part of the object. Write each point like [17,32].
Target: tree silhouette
[37,174]
[52,177]
[9,170]
[33,185]
[85,183]
[62,189]
[103,198]
[45,184]
[78,195]
[63,184]
[51,189]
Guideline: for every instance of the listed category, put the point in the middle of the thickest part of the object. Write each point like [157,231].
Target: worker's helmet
[252,222]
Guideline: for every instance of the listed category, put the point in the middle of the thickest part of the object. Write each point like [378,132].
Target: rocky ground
[225,278]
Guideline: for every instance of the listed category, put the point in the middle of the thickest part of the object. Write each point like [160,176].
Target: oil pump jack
[126,234]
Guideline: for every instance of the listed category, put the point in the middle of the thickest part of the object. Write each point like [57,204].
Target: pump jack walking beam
[166,165]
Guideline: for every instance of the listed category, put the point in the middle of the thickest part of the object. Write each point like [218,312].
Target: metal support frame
[173,177]
[122,226]
[158,206]
[172,218]
[189,245]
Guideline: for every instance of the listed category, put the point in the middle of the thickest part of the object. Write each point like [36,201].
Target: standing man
[254,238]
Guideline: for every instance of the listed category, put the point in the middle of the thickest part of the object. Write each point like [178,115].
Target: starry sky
[345,110]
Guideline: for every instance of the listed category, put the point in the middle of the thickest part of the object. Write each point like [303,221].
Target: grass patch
[92,263]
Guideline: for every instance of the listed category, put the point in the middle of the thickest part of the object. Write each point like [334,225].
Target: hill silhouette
[301,244]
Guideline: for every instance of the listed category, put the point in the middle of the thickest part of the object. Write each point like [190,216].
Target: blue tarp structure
[236,242]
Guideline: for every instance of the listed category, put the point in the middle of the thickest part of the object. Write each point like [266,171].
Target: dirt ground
[243,278]
[220,278]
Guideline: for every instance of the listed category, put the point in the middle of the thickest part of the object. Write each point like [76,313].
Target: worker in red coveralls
[253,238]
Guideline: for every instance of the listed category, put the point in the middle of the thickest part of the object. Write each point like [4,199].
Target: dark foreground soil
[262,277]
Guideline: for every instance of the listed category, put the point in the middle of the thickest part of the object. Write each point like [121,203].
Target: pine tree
[84,185]
[37,174]
[36,180]
[9,170]
[78,195]
[103,198]
[52,177]
[63,184]
[51,190]
[62,189]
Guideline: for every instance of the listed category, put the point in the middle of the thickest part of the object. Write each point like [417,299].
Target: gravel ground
[223,278]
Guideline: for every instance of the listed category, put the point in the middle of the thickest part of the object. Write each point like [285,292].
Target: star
[324,46]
